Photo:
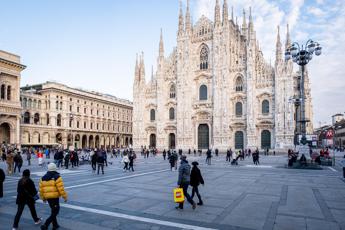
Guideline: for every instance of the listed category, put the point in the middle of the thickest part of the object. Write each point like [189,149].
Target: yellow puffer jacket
[51,186]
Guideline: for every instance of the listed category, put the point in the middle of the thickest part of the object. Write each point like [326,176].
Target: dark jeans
[20,211]
[93,165]
[126,166]
[196,190]
[55,208]
[186,195]
[17,166]
[344,172]
[58,163]
[131,167]
[100,165]
[227,158]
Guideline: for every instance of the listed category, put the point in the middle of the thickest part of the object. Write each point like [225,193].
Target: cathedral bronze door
[265,139]
[203,136]
[5,133]
[239,140]
[172,141]
[152,141]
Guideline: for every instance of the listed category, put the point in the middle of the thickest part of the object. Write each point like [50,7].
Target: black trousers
[17,166]
[126,166]
[100,165]
[195,189]
[20,211]
[55,208]
[344,172]
[93,165]
[186,195]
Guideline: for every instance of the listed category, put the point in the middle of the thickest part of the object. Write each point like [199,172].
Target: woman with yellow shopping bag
[183,183]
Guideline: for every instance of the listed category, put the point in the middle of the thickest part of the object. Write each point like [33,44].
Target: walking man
[195,180]
[51,189]
[184,180]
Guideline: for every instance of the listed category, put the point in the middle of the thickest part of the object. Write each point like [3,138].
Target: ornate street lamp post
[302,55]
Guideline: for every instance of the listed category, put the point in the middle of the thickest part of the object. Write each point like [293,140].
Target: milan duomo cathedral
[215,90]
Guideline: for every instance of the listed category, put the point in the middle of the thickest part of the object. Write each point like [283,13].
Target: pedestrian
[131,162]
[195,180]
[67,158]
[26,195]
[93,161]
[9,161]
[171,159]
[164,154]
[2,179]
[28,157]
[100,161]
[104,154]
[194,151]
[51,189]
[125,160]
[208,157]
[228,155]
[342,162]
[175,158]
[18,162]
[184,181]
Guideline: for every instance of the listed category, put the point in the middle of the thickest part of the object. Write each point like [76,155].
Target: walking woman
[125,160]
[195,180]
[26,195]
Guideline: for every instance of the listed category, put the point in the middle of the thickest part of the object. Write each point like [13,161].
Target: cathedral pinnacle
[278,48]
[251,24]
[137,76]
[232,13]
[225,12]
[142,67]
[217,14]
[244,23]
[188,19]
[288,40]
[180,21]
[161,45]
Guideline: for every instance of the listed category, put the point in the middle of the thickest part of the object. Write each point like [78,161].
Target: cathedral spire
[225,13]
[244,25]
[232,13]
[251,24]
[137,76]
[152,73]
[278,48]
[142,67]
[288,40]
[180,20]
[188,19]
[217,14]
[161,45]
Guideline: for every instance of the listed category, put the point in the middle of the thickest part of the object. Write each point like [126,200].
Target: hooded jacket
[184,173]
[51,186]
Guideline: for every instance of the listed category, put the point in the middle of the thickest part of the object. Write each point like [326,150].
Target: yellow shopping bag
[178,195]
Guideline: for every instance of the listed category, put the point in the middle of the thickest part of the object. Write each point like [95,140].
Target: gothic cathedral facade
[215,90]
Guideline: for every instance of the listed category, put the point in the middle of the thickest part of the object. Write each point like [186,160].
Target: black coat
[2,179]
[195,177]
[25,191]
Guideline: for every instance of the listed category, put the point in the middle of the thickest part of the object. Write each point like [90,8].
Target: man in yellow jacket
[51,189]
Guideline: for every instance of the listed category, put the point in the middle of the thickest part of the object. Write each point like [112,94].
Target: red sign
[329,134]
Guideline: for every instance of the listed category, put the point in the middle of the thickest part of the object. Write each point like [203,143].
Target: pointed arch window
[238,109]
[265,107]
[172,91]
[239,84]
[172,114]
[204,58]
[203,92]
[152,115]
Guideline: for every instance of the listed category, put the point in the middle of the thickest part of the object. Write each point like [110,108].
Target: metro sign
[329,134]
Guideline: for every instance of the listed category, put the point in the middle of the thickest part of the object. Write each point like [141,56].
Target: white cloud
[317,12]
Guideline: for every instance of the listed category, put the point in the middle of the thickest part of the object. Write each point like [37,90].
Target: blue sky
[92,44]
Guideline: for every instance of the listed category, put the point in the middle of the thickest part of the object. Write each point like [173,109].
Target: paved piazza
[268,196]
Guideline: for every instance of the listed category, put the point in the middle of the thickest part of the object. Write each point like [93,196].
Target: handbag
[178,195]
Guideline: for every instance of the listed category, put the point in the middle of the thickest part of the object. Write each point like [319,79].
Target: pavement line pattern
[134,218]
[334,170]
[115,179]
